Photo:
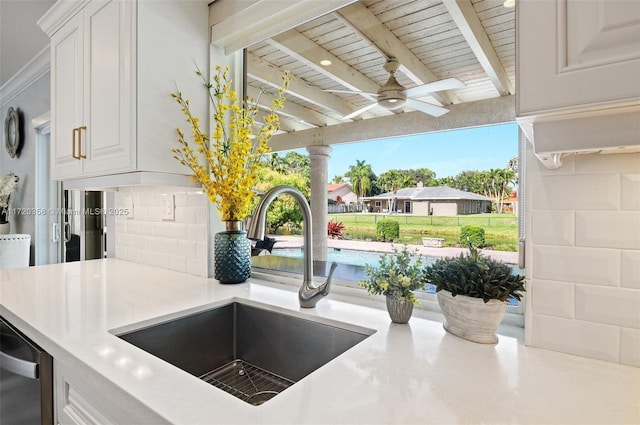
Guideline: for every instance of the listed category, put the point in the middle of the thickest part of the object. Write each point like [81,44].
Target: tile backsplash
[166,227]
[583,256]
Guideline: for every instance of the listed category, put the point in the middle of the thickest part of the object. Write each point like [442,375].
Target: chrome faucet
[309,294]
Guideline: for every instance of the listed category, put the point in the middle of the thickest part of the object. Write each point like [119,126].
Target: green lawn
[501,230]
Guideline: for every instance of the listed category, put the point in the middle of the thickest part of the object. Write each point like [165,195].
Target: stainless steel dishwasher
[26,379]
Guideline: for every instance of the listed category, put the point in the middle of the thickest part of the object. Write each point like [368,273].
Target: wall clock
[12,132]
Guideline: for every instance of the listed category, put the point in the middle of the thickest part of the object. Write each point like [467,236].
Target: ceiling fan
[393,96]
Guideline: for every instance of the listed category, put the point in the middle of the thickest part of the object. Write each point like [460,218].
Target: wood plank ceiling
[472,40]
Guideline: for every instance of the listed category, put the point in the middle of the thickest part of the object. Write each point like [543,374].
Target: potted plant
[473,292]
[227,163]
[396,276]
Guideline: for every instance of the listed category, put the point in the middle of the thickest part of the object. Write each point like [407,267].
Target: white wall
[583,256]
[178,244]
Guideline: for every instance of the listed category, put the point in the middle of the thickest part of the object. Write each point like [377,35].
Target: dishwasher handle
[18,366]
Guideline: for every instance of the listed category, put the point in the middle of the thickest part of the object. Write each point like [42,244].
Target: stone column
[319,158]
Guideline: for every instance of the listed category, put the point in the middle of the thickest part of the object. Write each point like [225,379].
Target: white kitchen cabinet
[578,76]
[576,55]
[114,64]
[82,398]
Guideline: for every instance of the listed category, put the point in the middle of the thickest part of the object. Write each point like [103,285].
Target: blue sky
[447,152]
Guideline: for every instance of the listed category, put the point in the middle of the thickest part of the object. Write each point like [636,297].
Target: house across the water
[419,200]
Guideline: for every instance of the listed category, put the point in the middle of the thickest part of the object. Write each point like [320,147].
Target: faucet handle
[324,288]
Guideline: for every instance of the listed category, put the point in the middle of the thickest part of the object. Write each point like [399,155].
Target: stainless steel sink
[249,351]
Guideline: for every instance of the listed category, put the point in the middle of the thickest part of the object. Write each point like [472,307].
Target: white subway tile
[140,242]
[187,248]
[552,298]
[608,229]
[133,254]
[576,337]
[164,245]
[553,227]
[133,228]
[144,199]
[613,306]
[630,269]
[202,215]
[139,213]
[126,240]
[195,199]
[630,189]
[609,163]
[154,259]
[180,199]
[186,215]
[577,265]
[197,266]
[170,230]
[202,251]
[196,232]
[576,192]
[630,346]
[178,263]
[146,229]
[154,214]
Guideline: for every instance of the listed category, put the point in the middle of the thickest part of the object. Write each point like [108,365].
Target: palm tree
[361,176]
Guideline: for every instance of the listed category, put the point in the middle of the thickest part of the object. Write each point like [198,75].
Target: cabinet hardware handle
[80,141]
[73,144]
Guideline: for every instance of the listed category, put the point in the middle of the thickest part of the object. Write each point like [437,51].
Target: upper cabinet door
[67,57]
[109,87]
[577,54]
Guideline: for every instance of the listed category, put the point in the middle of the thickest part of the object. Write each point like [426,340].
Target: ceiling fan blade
[425,89]
[427,108]
[352,92]
[359,111]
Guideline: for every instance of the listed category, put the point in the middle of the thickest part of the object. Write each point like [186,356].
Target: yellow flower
[226,165]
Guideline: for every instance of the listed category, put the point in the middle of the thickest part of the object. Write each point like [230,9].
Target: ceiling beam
[291,109]
[301,48]
[267,74]
[364,23]
[497,110]
[466,18]
[237,24]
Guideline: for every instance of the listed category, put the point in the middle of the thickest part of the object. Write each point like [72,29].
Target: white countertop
[402,374]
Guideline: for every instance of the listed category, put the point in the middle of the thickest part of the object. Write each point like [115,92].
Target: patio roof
[431,39]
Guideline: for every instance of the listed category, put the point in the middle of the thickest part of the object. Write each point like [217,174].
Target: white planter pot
[5,228]
[471,318]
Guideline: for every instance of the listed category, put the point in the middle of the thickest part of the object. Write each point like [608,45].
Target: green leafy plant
[475,275]
[397,274]
[472,236]
[387,230]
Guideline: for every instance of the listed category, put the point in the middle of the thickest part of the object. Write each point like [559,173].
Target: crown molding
[27,75]
[59,14]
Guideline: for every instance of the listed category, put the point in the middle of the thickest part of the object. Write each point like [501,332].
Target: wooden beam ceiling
[466,18]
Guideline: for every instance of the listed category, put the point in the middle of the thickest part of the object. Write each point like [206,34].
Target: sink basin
[253,352]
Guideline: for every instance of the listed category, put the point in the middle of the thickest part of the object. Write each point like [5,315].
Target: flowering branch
[227,164]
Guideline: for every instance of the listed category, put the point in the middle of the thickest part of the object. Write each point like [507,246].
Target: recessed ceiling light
[393,100]
[509,3]
[325,62]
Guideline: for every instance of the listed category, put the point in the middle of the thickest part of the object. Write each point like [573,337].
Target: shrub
[472,236]
[334,229]
[475,275]
[387,230]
